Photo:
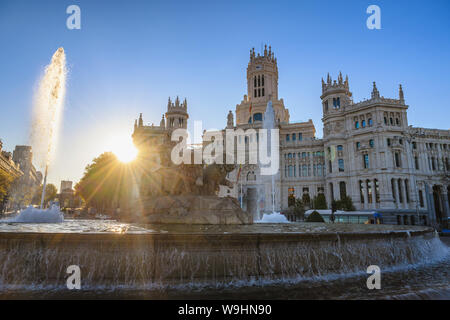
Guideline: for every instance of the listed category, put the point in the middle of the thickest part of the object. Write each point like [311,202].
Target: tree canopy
[6,180]
[106,183]
[50,194]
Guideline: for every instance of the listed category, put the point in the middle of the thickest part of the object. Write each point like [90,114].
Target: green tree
[319,202]
[106,184]
[50,194]
[315,217]
[345,204]
[306,200]
[299,209]
[291,200]
[6,179]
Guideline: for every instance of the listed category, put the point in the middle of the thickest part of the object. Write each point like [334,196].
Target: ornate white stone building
[368,151]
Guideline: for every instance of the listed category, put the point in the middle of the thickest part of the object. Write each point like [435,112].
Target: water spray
[47,111]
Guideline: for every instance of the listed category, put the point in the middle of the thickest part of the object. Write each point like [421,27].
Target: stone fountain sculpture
[187,193]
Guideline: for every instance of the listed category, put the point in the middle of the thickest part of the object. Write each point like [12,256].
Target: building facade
[368,152]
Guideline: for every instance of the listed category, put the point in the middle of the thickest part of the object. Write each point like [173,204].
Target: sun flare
[122,146]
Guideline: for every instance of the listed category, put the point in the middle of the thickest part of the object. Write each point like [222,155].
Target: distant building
[7,163]
[67,197]
[27,183]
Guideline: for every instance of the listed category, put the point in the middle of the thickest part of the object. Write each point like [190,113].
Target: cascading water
[155,260]
[47,111]
[269,124]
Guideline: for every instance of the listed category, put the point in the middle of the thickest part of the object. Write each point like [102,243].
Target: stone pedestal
[194,209]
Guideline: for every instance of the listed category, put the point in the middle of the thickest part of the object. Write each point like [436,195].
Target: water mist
[47,110]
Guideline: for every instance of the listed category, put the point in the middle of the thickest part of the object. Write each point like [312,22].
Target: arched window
[255,82]
[363,123]
[356,125]
[370,122]
[259,81]
[262,80]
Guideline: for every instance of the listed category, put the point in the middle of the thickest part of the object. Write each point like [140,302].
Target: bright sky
[130,56]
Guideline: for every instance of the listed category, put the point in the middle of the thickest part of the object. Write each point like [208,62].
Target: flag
[239,172]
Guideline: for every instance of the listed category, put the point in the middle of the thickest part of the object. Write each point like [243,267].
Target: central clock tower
[262,86]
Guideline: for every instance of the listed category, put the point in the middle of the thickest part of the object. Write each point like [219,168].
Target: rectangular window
[294,137]
[416,162]
[287,137]
[421,199]
[341,165]
[366,161]
[300,136]
[397,160]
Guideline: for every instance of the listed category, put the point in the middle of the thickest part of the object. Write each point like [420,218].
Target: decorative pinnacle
[400,94]
[375,92]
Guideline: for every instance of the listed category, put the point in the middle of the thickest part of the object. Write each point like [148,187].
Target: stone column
[386,194]
[396,193]
[374,196]
[366,198]
[405,196]
[402,183]
[430,203]
[446,210]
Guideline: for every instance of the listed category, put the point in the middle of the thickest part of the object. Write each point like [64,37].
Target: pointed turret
[141,122]
[400,94]
[340,80]
[177,102]
[230,120]
[135,124]
[185,103]
[375,92]
[162,124]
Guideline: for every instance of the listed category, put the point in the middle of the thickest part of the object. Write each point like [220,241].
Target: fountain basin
[138,256]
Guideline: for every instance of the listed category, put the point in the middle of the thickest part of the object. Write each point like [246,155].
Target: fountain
[47,112]
[184,237]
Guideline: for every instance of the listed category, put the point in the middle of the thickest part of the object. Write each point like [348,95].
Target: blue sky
[130,56]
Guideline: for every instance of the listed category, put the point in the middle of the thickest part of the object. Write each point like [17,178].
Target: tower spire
[141,122]
[400,94]
[375,92]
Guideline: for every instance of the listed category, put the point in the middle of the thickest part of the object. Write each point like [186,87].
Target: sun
[122,146]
